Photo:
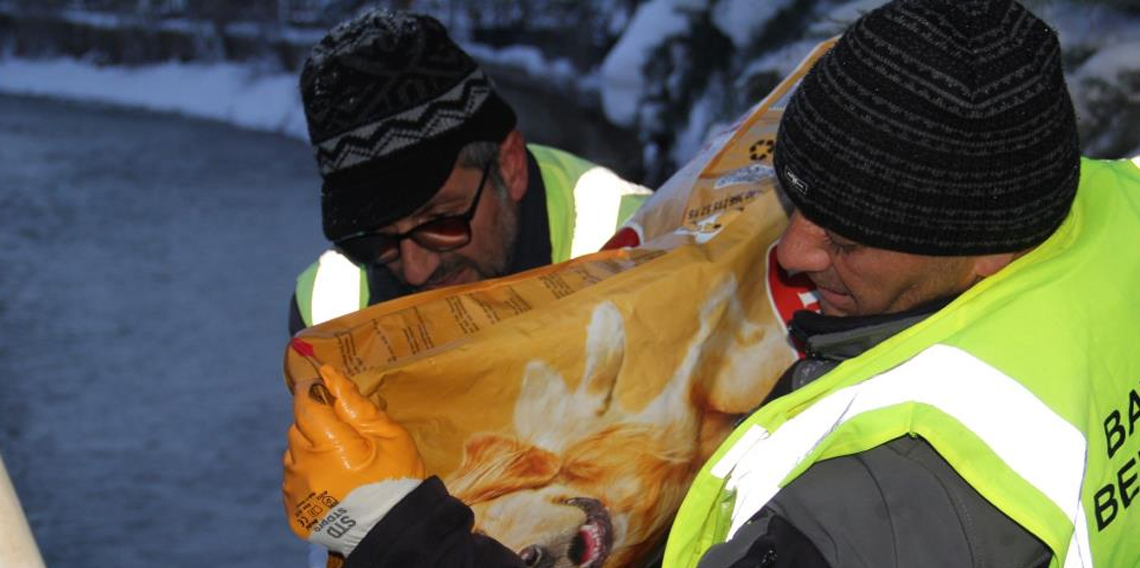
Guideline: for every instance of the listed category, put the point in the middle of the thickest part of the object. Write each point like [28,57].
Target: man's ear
[990,264]
[512,164]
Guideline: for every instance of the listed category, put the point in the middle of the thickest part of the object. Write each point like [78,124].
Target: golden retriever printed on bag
[587,483]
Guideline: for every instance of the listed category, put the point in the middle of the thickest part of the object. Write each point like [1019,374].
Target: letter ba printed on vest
[1120,491]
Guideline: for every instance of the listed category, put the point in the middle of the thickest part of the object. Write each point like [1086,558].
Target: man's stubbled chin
[451,274]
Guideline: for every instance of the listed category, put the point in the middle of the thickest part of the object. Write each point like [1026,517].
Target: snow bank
[525,58]
[530,61]
[781,61]
[1111,62]
[1088,25]
[232,93]
[834,21]
[1107,100]
[241,94]
[702,120]
[744,20]
[622,81]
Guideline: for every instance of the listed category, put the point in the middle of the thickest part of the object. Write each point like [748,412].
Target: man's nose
[416,263]
[803,246]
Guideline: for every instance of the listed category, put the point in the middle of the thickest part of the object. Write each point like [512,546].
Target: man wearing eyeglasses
[971,390]
[426,181]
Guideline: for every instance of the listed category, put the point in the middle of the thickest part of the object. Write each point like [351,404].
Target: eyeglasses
[439,235]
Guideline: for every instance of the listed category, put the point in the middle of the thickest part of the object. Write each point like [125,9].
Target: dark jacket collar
[829,340]
[841,338]
[532,244]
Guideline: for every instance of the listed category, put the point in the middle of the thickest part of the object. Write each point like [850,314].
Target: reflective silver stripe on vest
[597,204]
[1039,445]
[1080,551]
[336,287]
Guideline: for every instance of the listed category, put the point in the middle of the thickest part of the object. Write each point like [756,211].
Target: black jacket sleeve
[429,529]
[899,504]
[767,541]
[295,322]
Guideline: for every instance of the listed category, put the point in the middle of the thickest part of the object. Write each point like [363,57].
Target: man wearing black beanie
[426,181]
[971,393]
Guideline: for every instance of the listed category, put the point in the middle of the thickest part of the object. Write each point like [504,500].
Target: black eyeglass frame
[384,248]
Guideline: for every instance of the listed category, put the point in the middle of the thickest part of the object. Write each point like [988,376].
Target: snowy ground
[147,262]
[245,95]
[236,94]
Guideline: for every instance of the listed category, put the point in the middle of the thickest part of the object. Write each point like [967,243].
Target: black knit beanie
[936,127]
[390,101]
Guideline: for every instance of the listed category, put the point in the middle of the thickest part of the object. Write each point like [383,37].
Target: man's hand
[347,463]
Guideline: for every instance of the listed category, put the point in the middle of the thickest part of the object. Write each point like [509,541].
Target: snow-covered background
[660,73]
[147,256]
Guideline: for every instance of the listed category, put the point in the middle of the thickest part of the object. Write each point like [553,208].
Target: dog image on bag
[586,482]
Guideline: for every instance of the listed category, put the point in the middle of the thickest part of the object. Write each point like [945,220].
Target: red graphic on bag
[626,237]
[789,293]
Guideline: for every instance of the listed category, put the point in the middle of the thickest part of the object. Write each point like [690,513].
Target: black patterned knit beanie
[936,127]
[390,101]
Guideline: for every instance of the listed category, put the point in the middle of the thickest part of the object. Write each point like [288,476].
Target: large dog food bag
[570,406]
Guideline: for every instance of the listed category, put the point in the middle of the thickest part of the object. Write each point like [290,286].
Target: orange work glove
[347,463]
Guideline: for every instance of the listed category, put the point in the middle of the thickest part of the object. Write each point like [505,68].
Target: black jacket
[428,527]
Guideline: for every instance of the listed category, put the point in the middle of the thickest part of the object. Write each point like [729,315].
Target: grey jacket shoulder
[902,505]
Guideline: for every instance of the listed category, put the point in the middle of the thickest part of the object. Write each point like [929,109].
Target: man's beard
[497,263]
